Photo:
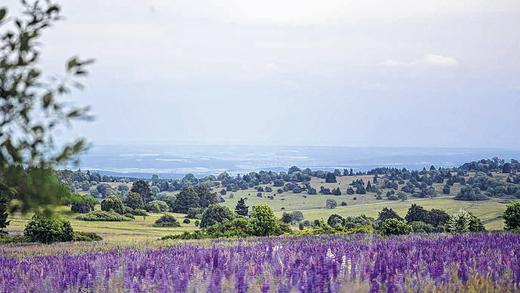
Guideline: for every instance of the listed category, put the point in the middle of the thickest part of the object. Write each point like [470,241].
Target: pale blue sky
[351,73]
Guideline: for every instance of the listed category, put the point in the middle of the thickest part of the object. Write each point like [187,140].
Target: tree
[463,221]
[241,208]
[264,221]
[199,196]
[3,214]
[31,111]
[287,218]
[470,193]
[417,213]
[112,203]
[216,214]
[186,199]
[438,218]
[48,229]
[512,216]
[134,200]
[395,226]
[206,197]
[331,204]
[297,216]
[83,204]
[330,178]
[386,214]
[141,187]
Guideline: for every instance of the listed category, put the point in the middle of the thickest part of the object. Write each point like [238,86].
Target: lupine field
[462,263]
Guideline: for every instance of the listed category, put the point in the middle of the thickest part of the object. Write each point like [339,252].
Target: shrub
[87,236]
[216,214]
[297,216]
[110,216]
[129,215]
[135,212]
[186,221]
[112,203]
[395,226]
[167,220]
[512,216]
[331,204]
[157,206]
[422,227]
[238,227]
[335,221]
[187,235]
[48,229]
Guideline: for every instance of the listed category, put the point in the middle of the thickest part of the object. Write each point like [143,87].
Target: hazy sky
[298,72]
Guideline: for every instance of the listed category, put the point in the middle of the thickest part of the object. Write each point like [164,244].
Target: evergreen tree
[241,208]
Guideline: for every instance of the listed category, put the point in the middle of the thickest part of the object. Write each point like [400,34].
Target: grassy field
[313,207]
[140,229]
[488,211]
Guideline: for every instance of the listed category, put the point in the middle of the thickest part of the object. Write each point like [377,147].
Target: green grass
[489,211]
[313,207]
[140,229]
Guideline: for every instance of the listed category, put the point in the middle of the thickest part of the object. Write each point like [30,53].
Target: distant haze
[324,73]
[177,161]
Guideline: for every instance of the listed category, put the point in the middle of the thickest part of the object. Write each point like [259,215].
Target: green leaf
[73,62]
[3,13]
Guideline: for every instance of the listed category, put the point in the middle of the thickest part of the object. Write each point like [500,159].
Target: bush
[86,236]
[110,216]
[14,239]
[48,229]
[187,235]
[157,206]
[112,203]
[186,221]
[395,226]
[331,204]
[135,212]
[129,215]
[512,216]
[216,214]
[167,220]
[422,227]
[238,227]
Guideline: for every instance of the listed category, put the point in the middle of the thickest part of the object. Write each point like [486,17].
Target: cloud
[439,60]
[433,60]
